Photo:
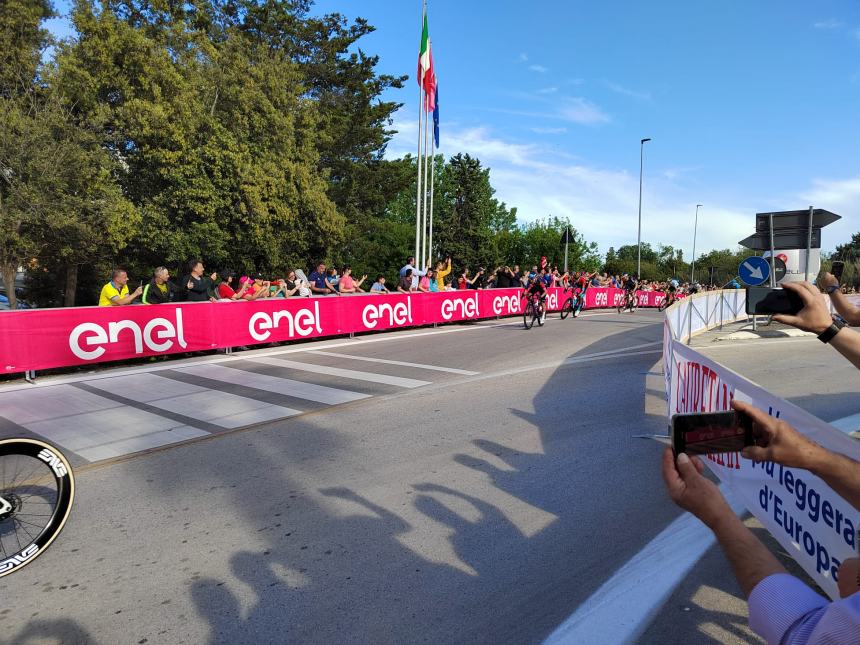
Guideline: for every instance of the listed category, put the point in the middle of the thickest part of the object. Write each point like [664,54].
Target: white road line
[285,386]
[219,408]
[343,373]
[384,361]
[622,608]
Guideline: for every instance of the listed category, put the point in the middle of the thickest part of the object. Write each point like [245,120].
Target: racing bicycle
[534,311]
[37,489]
[629,302]
[574,303]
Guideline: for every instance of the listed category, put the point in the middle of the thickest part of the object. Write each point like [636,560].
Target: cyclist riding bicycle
[671,292]
[629,283]
[536,288]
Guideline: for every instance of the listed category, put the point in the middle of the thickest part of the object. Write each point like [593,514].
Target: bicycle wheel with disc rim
[528,319]
[37,489]
[567,308]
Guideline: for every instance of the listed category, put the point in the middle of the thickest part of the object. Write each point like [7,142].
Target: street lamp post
[695,228]
[639,234]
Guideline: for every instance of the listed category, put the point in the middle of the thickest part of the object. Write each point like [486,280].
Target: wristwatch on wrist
[829,290]
[835,327]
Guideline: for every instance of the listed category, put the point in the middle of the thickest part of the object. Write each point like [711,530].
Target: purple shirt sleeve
[784,611]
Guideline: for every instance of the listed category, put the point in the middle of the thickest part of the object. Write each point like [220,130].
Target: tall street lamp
[639,235]
[695,228]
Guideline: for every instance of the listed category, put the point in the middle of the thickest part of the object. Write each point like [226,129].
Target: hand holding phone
[706,433]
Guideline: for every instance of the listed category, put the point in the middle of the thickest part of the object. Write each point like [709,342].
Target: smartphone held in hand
[706,433]
[764,300]
[837,269]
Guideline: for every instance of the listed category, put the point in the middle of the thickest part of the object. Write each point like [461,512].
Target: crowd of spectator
[196,285]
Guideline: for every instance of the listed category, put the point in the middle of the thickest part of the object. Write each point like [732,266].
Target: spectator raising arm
[848,311]
[815,317]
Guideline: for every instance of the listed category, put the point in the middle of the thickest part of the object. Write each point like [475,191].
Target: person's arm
[127,299]
[197,286]
[778,442]
[256,295]
[750,560]
[815,318]
[847,310]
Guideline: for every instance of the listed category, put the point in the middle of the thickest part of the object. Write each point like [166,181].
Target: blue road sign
[754,270]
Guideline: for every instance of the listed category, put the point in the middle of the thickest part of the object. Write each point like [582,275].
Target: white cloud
[620,89]
[580,110]
[540,69]
[540,130]
[828,24]
[523,57]
[601,202]
[548,90]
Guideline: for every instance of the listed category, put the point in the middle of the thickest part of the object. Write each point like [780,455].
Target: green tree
[212,122]
[467,217]
[543,238]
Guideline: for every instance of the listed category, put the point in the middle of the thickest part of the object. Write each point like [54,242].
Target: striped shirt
[784,611]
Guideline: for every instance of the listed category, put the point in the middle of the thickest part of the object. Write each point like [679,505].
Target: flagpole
[420,116]
[418,194]
[425,251]
[432,186]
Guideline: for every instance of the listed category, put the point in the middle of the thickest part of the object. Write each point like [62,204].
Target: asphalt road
[482,507]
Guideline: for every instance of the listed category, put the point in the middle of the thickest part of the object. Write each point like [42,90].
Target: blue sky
[751,106]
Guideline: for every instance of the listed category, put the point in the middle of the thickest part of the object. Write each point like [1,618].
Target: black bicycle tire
[528,320]
[566,308]
[65,480]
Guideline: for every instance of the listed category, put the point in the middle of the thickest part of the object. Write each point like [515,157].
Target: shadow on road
[502,551]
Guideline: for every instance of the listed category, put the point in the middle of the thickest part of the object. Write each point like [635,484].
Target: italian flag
[426,74]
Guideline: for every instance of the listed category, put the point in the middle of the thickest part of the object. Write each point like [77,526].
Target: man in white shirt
[416,274]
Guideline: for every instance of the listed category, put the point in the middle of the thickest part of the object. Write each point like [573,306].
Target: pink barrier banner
[46,338]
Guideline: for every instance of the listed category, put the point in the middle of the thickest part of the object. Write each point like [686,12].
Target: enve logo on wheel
[54,462]
[19,559]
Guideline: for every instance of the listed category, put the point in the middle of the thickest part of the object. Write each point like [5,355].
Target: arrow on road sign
[754,270]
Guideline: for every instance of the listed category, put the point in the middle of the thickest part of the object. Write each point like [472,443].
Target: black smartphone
[764,300]
[837,268]
[706,433]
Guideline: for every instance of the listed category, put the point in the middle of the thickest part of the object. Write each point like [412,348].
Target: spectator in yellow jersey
[116,293]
